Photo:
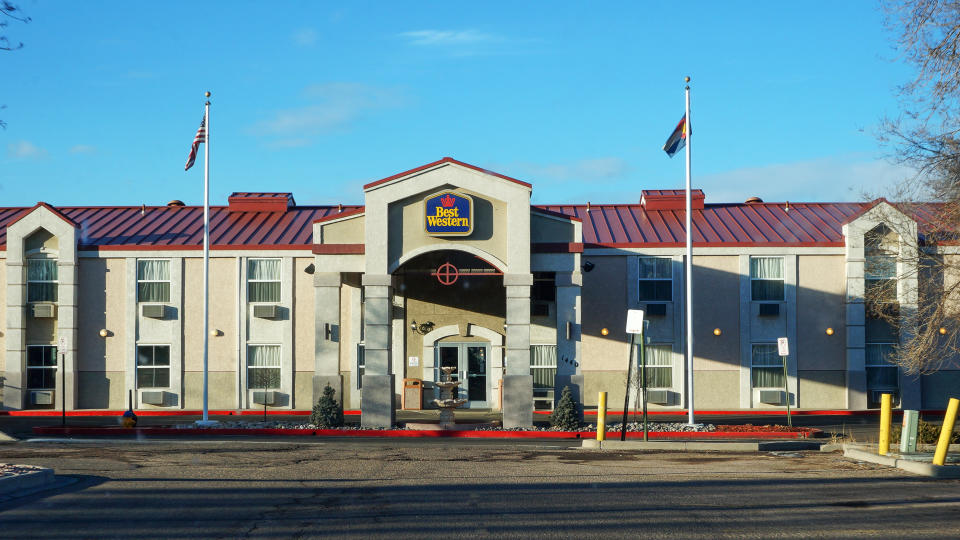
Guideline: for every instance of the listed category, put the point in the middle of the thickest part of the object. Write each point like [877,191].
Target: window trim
[168,367]
[168,281]
[279,280]
[764,366]
[641,279]
[56,281]
[55,368]
[782,280]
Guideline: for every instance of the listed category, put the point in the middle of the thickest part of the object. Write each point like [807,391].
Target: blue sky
[319,98]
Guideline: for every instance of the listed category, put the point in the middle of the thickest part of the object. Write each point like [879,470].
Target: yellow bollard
[602,417]
[948,421]
[885,400]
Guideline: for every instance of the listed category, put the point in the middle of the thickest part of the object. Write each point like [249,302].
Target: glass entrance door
[470,359]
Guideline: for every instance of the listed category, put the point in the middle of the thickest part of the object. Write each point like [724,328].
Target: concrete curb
[7,438]
[915,467]
[30,480]
[699,446]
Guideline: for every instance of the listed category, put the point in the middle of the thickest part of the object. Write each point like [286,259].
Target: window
[766,279]
[41,367]
[41,280]
[882,375]
[543,367]
[263,367]
[361,365]
[153,366]
[544,287]
[880,265]
[153,280]
[659,362]
[263,280]
[766,370]
[656,279]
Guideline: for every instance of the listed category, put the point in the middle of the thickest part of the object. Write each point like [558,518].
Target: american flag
[201,137]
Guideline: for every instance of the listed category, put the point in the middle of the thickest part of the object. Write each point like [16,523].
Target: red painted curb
[274,412]
[409,433]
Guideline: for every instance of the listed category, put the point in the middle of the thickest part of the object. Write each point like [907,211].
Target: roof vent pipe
[753,200]
[175,202]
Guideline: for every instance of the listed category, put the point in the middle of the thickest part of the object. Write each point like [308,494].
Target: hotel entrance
[470,359]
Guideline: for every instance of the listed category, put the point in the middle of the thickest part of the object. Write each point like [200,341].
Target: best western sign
[448,214]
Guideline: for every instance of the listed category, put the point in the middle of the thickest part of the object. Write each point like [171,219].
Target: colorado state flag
[678,139]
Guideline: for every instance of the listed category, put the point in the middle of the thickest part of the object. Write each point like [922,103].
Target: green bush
[566,416]
[927,433]
[327,413]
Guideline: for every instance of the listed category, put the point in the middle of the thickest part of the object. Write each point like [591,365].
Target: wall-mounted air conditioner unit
[264,397]
[44,311]
[658,397]
[265,311]
[152,397]
[41,397]
[154,311]
[771,397]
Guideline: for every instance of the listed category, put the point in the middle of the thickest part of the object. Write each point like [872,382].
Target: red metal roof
[758,224]
[164,227]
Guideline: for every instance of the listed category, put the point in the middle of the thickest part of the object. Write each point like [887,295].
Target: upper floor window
[263,280]
[766,279]
[153,280]
[41,280]
[880,264]
[656,279]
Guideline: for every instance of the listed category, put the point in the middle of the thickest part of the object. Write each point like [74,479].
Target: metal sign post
[634,327]
[783,347]
[643,378]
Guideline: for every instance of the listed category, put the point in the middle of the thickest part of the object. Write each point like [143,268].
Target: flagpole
[206,259]
[689,265]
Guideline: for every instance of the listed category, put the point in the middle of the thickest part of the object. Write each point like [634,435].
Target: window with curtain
[41,367]
[880,264]
[766,279]
[883,376]
[766,370]
[263,367]
[656,279]
[543,366]
[153,366]
[153,280]
[41,280]
[263,280]
[659,362]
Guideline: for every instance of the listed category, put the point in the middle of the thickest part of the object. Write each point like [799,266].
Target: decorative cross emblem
[447,274]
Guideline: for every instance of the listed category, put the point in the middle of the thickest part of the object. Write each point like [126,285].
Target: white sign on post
[62,343]
[783,346]
[634,321]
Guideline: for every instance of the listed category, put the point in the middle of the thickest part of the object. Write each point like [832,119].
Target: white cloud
[25,150]
[448,37]
[602,168]
[338,105]
[836,178]
[83,149]
[305,37]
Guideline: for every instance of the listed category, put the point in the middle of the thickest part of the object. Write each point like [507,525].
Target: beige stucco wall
[101,390]
[820,305]
[716,389]
[547,229]
[3,317]
[92,310]
[823,389]
[223,315]
[222,395]
[303,316]
[406,226]
[716,304]
[348,231]
[604,301]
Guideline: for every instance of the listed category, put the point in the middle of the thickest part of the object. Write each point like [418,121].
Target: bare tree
[9,12]
[926,137]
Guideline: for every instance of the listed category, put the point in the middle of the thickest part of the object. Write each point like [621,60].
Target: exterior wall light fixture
[942,331]
[717,331]
[215,333]
[604,331]
[829,331]
[104,332]
[421,328]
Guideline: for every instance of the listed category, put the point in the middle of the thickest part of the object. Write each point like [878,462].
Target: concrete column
[518,383]
[569,349]
[376,401]
[67,273]
[326,350]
